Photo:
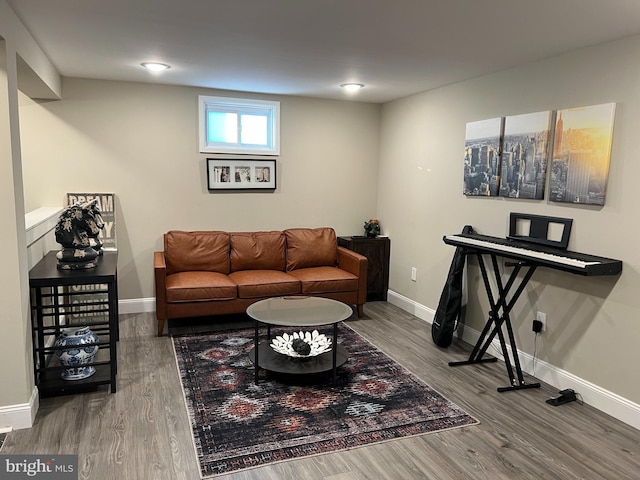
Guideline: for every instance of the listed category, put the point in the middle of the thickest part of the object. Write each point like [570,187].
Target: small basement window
[237,125]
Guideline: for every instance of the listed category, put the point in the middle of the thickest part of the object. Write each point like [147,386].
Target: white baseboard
[16,417]
[137,305]
[604,400]
[410,306]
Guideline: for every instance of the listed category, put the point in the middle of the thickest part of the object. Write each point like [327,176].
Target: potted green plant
[372,227]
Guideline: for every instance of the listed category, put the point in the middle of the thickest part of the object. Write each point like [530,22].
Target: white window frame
[240,105]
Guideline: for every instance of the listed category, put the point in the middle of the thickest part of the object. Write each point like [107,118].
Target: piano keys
[560,259]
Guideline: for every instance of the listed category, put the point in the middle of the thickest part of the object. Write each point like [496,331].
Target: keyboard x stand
[498,321]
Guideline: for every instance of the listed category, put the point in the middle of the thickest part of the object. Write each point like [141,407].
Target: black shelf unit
[74,298]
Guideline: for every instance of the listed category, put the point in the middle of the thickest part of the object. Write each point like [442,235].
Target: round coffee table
[299,312]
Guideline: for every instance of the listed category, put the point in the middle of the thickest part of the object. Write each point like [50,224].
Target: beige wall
[22,65]
[139,141]
[593,328]
[16,367]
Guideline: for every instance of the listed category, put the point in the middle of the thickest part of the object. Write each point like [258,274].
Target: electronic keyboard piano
[528,252]
[568,261]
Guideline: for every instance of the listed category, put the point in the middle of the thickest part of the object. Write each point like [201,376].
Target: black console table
[74,298]
[377,250]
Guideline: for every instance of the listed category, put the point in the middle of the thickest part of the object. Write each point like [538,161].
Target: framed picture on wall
[241,174]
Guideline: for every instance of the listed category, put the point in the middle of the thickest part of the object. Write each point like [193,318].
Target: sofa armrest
[160,277]
[354,263]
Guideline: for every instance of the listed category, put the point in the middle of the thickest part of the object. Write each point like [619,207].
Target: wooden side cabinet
[73,298]
[377,252]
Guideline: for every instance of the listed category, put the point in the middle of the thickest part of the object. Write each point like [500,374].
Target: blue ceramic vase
[72,352]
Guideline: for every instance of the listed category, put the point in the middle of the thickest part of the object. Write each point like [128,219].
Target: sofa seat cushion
[325,280]
[264,283]
[200,286]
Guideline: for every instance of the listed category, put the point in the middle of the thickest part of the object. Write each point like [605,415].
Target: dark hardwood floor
[142,432]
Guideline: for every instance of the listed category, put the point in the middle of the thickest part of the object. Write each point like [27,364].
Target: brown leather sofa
[214,273]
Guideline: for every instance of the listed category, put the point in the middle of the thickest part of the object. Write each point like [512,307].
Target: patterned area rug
[237,424]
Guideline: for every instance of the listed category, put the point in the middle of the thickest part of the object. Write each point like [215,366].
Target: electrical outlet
[414,274]
[542,318]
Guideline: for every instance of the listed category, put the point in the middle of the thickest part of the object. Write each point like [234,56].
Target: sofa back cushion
[257,251]
[196,251]
[311,247]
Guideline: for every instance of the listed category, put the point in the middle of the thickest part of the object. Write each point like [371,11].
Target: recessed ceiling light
[155,67]
[352,87]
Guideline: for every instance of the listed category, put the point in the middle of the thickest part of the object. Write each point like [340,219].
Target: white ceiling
[309,47]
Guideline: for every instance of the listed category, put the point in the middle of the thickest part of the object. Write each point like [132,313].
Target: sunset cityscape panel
[581,154]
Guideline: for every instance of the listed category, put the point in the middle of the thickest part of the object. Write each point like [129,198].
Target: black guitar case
[445,320]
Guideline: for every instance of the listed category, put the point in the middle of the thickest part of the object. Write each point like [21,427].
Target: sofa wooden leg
[360,310]
[160,326]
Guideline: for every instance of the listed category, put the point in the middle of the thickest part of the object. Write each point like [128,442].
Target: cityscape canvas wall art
[525,155]
[581,154]
[482,157]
